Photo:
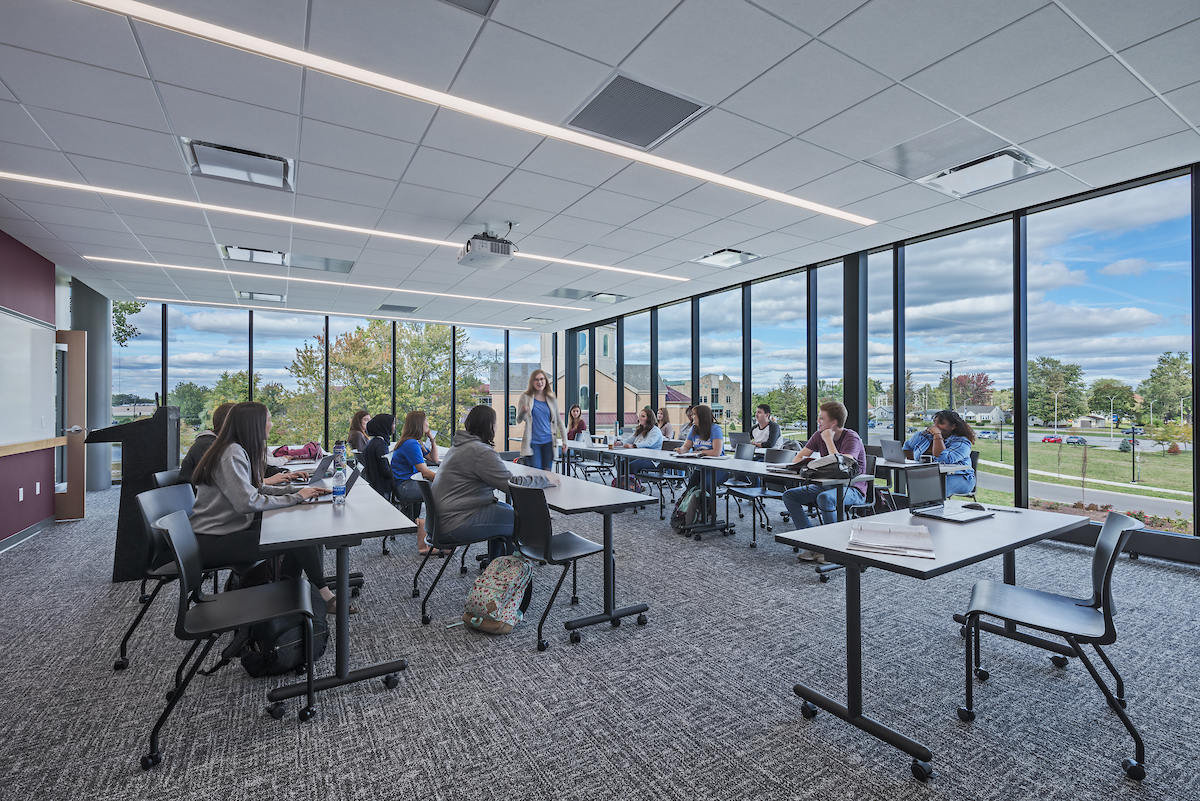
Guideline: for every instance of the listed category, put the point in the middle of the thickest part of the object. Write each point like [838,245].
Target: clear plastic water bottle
[339,487]
[339,455]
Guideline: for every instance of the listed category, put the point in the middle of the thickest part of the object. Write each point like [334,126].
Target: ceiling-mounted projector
[484,251]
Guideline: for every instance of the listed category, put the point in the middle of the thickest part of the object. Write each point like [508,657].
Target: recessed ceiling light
[1010,164]
[573,294]
[235,164]
[320,263]
[538,320]
[608,297]
[262,296]
[727,258]
[262,215]
[292,55]
[254,255]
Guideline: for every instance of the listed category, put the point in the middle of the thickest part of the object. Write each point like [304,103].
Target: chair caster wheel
[575,638]
[1120,702]
[416,593]
[462,569]
[965,715]
[809,710]
[740,515]
[150,760]
[824,579]
[391,681]
[386,552]
[277,710]
[543,645]
[1059,661]
[615,623]
[982,674]
[426,619]
[696,537]
[769,529]
[642,619]
[308,713]
[355,592]
[121,664]
[795,549]
[1133,770]
[574,600]
[962,632]
[169,695]
[921,771]
[143,598]
[754,545]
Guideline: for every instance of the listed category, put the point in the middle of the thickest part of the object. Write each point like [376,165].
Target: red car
[1051,438]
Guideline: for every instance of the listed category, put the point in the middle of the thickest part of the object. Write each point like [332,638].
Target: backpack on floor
[500,596]
[632,484]
[687,508]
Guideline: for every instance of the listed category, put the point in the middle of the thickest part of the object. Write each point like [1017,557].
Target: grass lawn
[1158,469]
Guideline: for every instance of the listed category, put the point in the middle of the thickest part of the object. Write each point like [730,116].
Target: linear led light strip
[330,283]
[263,215]
[286,309]
[338,69]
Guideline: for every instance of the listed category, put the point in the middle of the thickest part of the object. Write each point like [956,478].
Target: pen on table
[1001,509]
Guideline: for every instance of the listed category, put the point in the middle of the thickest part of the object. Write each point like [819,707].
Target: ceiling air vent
[234,164]
[261,296]
[727,258]
[634,114]
[392,308]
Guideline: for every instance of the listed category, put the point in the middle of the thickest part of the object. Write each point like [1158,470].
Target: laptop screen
[924,486]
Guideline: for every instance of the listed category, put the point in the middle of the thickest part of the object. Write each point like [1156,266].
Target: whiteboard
[26,380]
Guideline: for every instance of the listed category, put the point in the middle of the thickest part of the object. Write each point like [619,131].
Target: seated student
[204,441]
[686,432]
[665,425]
[576,425]
[408,461]
[358,430]
[831,437]
[376,468]
[646,435]
[231,497]
[464,487]
[948,441]
[705,438]
[766,432]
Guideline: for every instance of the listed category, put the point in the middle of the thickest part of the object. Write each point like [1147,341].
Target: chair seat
[164,572]
[754,492]
[249,605]
[1037,609]
[565,546]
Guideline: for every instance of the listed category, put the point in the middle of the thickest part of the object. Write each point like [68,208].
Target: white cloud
[1125,267]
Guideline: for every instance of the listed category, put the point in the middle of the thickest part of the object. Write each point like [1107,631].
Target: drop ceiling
[807,98]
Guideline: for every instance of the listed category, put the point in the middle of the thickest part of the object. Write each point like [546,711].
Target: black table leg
[1009,629]
[610,613]
[852,711]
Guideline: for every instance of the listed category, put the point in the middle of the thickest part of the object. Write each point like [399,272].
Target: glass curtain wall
[524,356]
[289,377]
[422,361]
[137,367]
[829,306]
[208,360]
[880,358]
[675,359]
[360,371]
[721,357]
[606,388]
[640,383]
[480,365]
[779,350]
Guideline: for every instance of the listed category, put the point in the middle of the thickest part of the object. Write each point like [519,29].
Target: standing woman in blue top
[948,441]
[707,439]
[408,461]
[538,410]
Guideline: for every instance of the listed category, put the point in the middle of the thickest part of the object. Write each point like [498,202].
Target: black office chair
[535,533]
[867,507]
[166,478]
[1079,621]
[204,618]
[975,467]
[599,464]
[432,534]
[758,495]
[663,476]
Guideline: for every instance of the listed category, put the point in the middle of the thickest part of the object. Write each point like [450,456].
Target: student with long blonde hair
[537,408]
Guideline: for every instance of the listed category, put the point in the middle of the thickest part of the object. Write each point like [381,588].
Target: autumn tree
[970,389]
[1109,393]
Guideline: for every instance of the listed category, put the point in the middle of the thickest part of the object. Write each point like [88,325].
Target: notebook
[897,539]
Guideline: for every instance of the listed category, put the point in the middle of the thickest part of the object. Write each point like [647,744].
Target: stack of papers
[900,540]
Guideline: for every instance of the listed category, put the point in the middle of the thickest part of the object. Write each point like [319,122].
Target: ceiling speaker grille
[634,113]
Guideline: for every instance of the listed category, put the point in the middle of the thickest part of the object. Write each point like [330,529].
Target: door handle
[75,430]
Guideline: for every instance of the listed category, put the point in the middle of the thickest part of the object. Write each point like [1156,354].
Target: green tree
[1169,381]
[1048,376]
[191,399]
[123,330]
[128,399]
[1121,395]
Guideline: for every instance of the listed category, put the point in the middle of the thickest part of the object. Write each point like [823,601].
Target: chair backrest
[157,503]
[975,460]
[672,444]
[378,473]
[738,438]
[509,456]
[187,555]
[533,528]
[166,478]
[869,472]
[745,451]
[1114,536]
[873,450]
[779,456]
[431,514]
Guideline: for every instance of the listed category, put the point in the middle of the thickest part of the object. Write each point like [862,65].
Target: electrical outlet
[37,488]
[20,494]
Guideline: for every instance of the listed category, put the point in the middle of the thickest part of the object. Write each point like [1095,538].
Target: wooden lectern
[148,446]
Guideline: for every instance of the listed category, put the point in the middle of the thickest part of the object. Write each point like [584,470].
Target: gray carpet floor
[695,705]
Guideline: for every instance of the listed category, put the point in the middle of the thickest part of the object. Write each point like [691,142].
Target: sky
[1109,288]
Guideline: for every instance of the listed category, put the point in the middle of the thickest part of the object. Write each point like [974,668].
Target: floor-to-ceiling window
[721,357]
[524,356]
[480,367]
[675,359]
[830,310]
[880,360]
[779,350]
[422,360]
[640,383]
[606,389]
[360,371]
[136,367]
[289,377]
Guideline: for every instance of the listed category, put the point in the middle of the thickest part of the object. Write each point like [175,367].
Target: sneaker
[811,556]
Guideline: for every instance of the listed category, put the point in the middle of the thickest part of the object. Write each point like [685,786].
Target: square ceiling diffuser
[1010,164]
[235,164]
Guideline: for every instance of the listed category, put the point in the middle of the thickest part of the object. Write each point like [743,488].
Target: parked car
[1009,435]
[1075,440]
[987,435]
[1051,438]
[1139,430]
[870,424]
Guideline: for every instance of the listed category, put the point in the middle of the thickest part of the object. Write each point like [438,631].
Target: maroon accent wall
[26,286]
[26,280]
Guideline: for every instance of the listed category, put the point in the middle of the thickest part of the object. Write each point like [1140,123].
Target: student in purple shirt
[831,437]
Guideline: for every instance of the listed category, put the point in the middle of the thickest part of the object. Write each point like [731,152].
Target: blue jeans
[493,523]
[543,456]
[960,483]
[796,499]
[638,465]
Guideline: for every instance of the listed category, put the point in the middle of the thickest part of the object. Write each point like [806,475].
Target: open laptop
[925,497]
[349,485]
[739,438]
[893,451]
[318,472]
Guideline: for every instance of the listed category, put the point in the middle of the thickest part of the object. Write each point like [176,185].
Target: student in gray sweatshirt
[231,497]
[463,488]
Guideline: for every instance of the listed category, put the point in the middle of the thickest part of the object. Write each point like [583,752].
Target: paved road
[1065,493]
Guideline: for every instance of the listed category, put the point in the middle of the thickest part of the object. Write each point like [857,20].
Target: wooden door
[69,505]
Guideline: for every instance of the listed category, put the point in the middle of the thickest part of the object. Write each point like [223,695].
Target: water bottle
[339,455]
[339,487]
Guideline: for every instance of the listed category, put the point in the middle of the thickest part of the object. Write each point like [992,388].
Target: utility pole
[951,363]
[1111,420]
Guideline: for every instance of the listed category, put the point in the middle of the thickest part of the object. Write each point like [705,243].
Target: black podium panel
[148,446]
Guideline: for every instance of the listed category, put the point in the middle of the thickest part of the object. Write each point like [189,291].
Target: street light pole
[1111,400]
[1152,413]
[1056,394]
[951,363]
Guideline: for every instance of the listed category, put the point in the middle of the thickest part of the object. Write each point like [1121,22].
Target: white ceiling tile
[111,251]
[7,95]
[538,191]
[866,238]
[674,57]
[930,30]
[142,209]
[278,20]
[671,221]
[221,121]
[1121,24]
[1142,159]
[16,191]
[815,253]
[168,228]
[454,173]
[8,210]
[72,31]
[678,250]
[353,187]
[303,235]
[543,246]
[48,214]
[858,132]
[24,228]
[401,222]
[718,201]
[772,215]
[379,245]
[335,211]
[603,31]
[1028,192]
[93,236]
[18,127]
[820,227]
[898,202]
[725,233]
[610,207]
[353,105]
[573,162]
[719,141]
[631,240]
[571,229]
[372,261]
[1081,95]
[812,16]
[947,215]
[1187,100]
[1166,61]
[850,184]
[806,88]
[186,61]
[350,149]
[323,250]
[165,249]
[496,214]
[108,140]
[1031,51]
[41,80]
[433,202]
[518,73]
[600,255]
[225,226]
[117,175]
[654,264]
[1141,122]
[773,244]
[650,183]
[419,42]
[479,138]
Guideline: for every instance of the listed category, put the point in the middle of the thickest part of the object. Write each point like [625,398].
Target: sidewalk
[1065,493]
[1090,481]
